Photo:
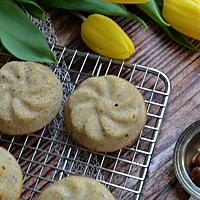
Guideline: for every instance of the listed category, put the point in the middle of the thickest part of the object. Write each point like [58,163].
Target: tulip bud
[128,1]
[184,16]
[105,37]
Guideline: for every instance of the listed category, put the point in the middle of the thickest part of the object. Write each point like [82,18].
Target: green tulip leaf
[93,6]
[20,37]
[179,38]
[152,10]
[122,5]
[160,3]
[33,8]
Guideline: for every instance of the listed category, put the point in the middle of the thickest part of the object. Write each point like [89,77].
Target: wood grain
[155,49]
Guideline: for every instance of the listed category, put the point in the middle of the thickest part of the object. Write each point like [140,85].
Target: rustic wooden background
[155,49]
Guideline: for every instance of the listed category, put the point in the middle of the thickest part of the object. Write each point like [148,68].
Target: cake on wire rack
[51,154]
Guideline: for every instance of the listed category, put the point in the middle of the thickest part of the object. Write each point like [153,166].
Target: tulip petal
[173,34]
[105,37]
[184,16]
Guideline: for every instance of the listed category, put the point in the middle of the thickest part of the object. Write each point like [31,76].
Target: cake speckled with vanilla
[10,177]
[31,97]
[105,113]
[76,188]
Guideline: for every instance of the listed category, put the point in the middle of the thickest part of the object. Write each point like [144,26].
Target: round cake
[31,97]
[10,177]
[105,113]
[76,188]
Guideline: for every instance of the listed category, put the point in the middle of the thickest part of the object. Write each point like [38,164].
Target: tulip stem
[78,15]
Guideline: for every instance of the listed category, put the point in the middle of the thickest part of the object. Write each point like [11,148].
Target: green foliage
[33,8]
[93,6]
[20,37]
[153,10]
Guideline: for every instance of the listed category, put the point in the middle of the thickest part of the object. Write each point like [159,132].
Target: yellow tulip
[184,16]
[105,37]
[128,1]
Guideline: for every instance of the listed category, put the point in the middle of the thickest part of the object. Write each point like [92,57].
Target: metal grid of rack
[50,154]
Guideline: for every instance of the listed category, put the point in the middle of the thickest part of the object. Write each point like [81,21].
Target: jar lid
[187,146]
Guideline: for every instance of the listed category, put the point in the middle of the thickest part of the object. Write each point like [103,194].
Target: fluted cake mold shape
[31,97]
[10,177]
[76,188]
[105,113]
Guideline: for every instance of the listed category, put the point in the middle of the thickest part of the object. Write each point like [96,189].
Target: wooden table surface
[155,49]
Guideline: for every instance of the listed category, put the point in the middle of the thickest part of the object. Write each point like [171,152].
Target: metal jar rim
[178,159]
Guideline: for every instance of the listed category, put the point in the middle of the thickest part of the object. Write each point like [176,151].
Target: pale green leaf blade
[93,6]
[20,37]
[152,10]
[33,8]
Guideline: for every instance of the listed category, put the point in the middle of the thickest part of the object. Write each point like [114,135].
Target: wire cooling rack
[50,154]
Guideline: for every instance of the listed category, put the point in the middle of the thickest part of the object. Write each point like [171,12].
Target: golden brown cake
[105,113]
[31,96]
[76,188]
[10,177]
